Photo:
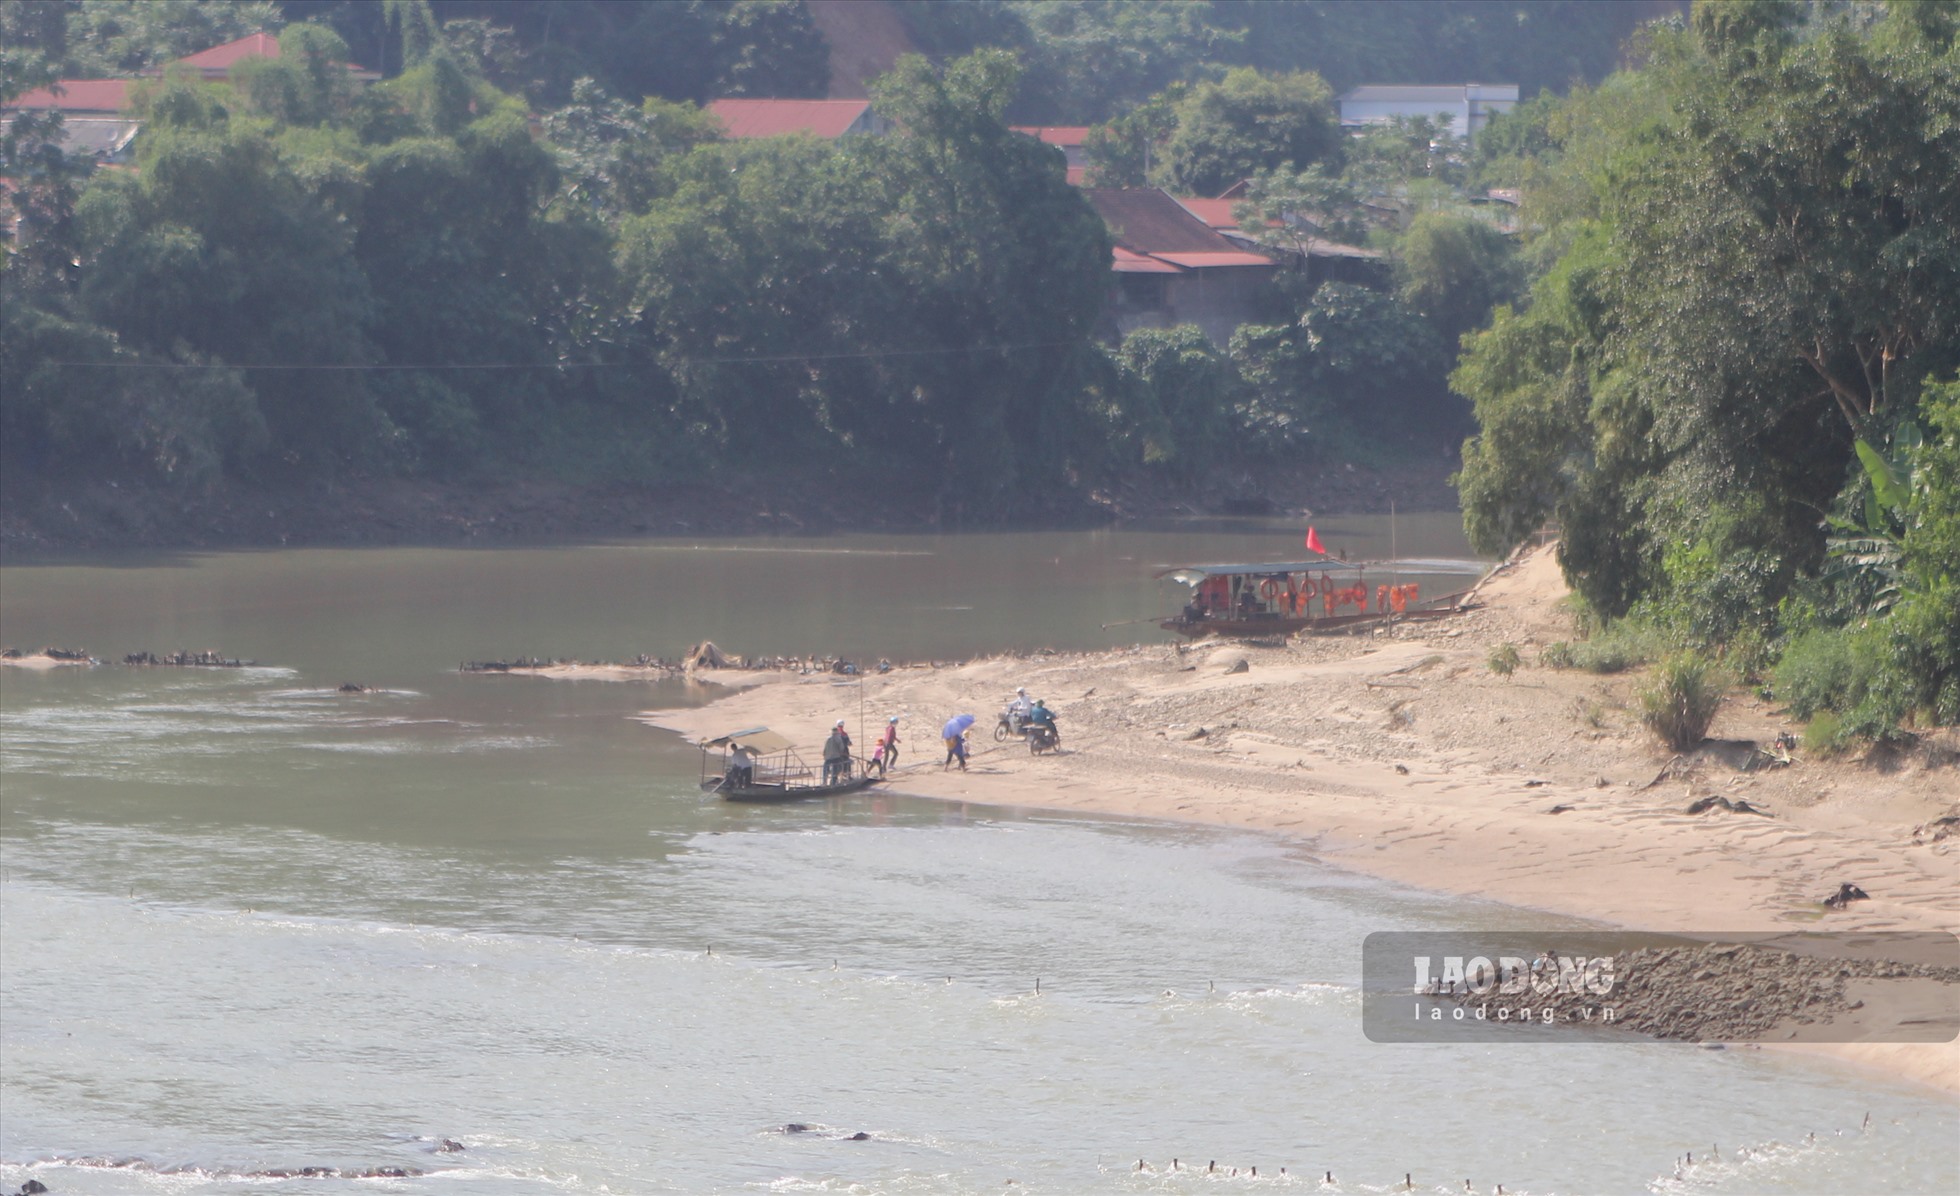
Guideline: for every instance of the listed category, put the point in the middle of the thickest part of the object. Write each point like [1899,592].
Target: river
[253,925]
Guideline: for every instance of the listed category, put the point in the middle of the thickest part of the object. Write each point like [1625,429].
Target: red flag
[1313,542]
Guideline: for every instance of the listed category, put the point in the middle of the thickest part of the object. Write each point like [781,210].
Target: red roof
[1125,262]
[1062,135]
[1215,212]
[223,58]
[828,119]
[1200,261]
[79,95]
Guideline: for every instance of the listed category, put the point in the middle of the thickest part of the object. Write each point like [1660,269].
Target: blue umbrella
[957,727]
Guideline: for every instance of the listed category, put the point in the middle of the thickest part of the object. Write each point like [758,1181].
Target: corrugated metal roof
[828,119]
[1202,261]
[1147,220]
[78,95]
[1192,574]
[1125,262]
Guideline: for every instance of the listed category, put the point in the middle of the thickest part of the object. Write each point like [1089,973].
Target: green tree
[308,84]
[122,37]
[1181,411]
[1246,123]
[219,249]
[1455,269]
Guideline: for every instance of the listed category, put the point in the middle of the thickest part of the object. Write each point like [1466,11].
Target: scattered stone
[1402,769]
[449,1146]
[1846,894]
[1241,665]
[1560,809]
[188,660]
[31,1187]
[1535,783]
[1939,828]
[1702,805]
[348,687]
[1198,733]
[860,1136]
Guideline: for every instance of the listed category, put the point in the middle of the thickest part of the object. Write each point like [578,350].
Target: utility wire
[384,367]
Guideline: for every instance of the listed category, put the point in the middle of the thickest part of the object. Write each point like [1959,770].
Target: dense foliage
[1727,385]
[304,276]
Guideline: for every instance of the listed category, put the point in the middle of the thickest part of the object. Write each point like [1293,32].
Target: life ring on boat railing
[1398,597]
[1307,592]
[1269,589]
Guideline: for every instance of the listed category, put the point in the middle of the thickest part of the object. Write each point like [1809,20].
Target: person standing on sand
[955,750]
[837,754]
[888,743]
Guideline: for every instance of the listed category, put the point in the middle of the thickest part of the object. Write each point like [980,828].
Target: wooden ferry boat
[758,765]
[1281,598]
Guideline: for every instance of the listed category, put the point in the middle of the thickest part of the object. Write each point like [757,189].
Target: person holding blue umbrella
[954,733]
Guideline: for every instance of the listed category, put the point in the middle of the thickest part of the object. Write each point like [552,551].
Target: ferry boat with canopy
[1283,597]
[759,765]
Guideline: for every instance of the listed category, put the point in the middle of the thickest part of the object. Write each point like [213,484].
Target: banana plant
[1866,552]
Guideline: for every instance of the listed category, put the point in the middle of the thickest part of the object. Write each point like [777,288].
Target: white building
[1467,106]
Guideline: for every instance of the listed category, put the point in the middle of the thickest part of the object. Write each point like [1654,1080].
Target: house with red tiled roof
[216,63]
[95,121]
[95,117]
[827,119]
[1324,260]
[1171,268]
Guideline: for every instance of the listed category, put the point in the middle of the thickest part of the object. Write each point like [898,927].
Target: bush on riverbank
[1680,699]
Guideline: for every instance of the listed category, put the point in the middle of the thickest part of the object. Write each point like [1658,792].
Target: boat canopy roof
[759,739]
[1191,575]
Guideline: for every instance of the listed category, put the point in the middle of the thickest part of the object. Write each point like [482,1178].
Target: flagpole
[1394,554]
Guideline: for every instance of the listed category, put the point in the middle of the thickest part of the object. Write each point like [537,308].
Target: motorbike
[1041,737]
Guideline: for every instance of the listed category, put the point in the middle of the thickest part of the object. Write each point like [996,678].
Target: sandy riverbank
[1403,756]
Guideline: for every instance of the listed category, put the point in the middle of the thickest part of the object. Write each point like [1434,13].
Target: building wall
[1217,300]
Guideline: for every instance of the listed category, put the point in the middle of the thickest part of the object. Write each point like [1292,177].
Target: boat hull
[1259,627]
[776,794]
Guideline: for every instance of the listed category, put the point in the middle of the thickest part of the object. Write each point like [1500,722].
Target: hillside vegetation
[1732,383]
[528,253]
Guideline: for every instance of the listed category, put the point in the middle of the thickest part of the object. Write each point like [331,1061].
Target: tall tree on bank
[1760,273]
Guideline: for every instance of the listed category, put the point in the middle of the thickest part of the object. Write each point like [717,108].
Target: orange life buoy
[1269,589]
[1398,597]
[1415,591]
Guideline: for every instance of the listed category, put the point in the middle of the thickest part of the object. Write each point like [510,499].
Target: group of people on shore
[1022,712]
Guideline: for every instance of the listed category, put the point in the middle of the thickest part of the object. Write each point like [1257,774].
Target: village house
[1294,239]
[1467,107]
[96,121]
[1172,268]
